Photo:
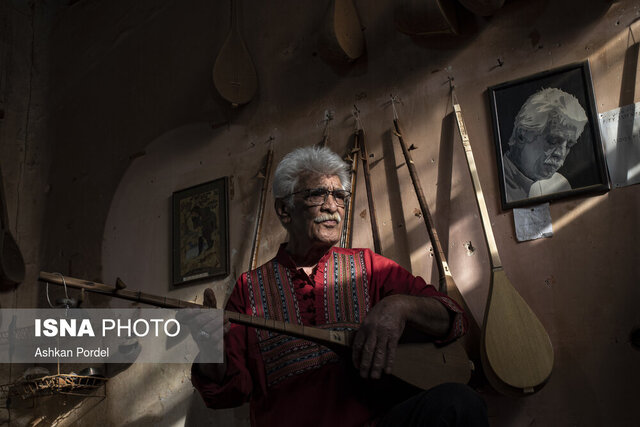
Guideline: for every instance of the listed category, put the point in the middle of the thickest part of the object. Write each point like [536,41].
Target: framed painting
[200,232]
[547,137]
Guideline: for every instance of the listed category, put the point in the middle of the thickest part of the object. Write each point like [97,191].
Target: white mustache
[555,163]
[328,217]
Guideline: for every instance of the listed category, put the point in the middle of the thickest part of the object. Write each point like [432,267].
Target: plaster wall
[135,118]
[25,157]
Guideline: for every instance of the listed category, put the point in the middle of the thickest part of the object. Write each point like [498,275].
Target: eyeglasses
[318,196]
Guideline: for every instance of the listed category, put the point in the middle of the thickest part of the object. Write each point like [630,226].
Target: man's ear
[283,211]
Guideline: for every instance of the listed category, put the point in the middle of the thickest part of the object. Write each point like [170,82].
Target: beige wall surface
[132,116]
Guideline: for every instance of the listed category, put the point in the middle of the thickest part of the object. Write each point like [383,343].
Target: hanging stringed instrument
[341,34]
[234,74]
[255,248]
[447,284]
[421,364]
[364,157]
[352,158]
[517,355]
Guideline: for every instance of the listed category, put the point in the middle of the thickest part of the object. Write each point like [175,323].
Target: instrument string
[66,294]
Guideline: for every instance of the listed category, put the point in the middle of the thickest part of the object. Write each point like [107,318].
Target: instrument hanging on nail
[517,355]
[426,17]
[364,157]
[255,248]
[341,34]
[234,74]
[352,158]
[447,284]
[421,364]
[12,269]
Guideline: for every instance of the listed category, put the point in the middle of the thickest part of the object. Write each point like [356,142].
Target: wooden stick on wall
[364,157]
[328,116]
[253,259]
[345,238]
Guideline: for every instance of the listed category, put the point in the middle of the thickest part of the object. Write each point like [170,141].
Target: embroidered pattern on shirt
[272,296]
[346,288]
[286,356]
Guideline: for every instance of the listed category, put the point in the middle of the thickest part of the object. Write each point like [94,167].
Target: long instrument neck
[496,263]
[345,240]
[438,253]
[253,259]
[375,234]
[322,336]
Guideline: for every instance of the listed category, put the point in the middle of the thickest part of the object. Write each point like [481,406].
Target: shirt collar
[283,257]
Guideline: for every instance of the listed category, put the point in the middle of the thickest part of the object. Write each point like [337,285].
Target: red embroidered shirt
[293,382]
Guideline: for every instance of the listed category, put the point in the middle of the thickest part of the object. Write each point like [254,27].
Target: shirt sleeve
[389,278]
[236,386]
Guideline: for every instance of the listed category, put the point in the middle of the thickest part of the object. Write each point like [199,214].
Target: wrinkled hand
[204,329]
[375,343]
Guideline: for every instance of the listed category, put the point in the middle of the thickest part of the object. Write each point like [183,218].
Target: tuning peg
[120,284]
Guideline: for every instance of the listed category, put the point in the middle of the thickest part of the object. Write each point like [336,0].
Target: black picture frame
[200,244]
[584,166]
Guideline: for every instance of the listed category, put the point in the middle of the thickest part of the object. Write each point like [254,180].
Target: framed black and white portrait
[200,232]
[547,137]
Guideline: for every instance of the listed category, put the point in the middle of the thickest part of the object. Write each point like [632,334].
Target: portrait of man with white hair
[548,142]
[545,129]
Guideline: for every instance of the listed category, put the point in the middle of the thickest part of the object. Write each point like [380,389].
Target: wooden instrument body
[516,345]
[234,74]
[12,268]
[421,364]
[341,35]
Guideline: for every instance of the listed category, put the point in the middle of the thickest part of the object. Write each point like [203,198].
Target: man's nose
[561,149]
[330,203]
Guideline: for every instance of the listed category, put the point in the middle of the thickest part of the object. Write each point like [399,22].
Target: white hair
[550,106]
[316,160]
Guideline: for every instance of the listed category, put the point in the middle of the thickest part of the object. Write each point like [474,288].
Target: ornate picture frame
[200,247]
[547,137]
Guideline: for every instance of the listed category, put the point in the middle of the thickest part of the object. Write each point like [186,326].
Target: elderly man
[548,124]
[293,382]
